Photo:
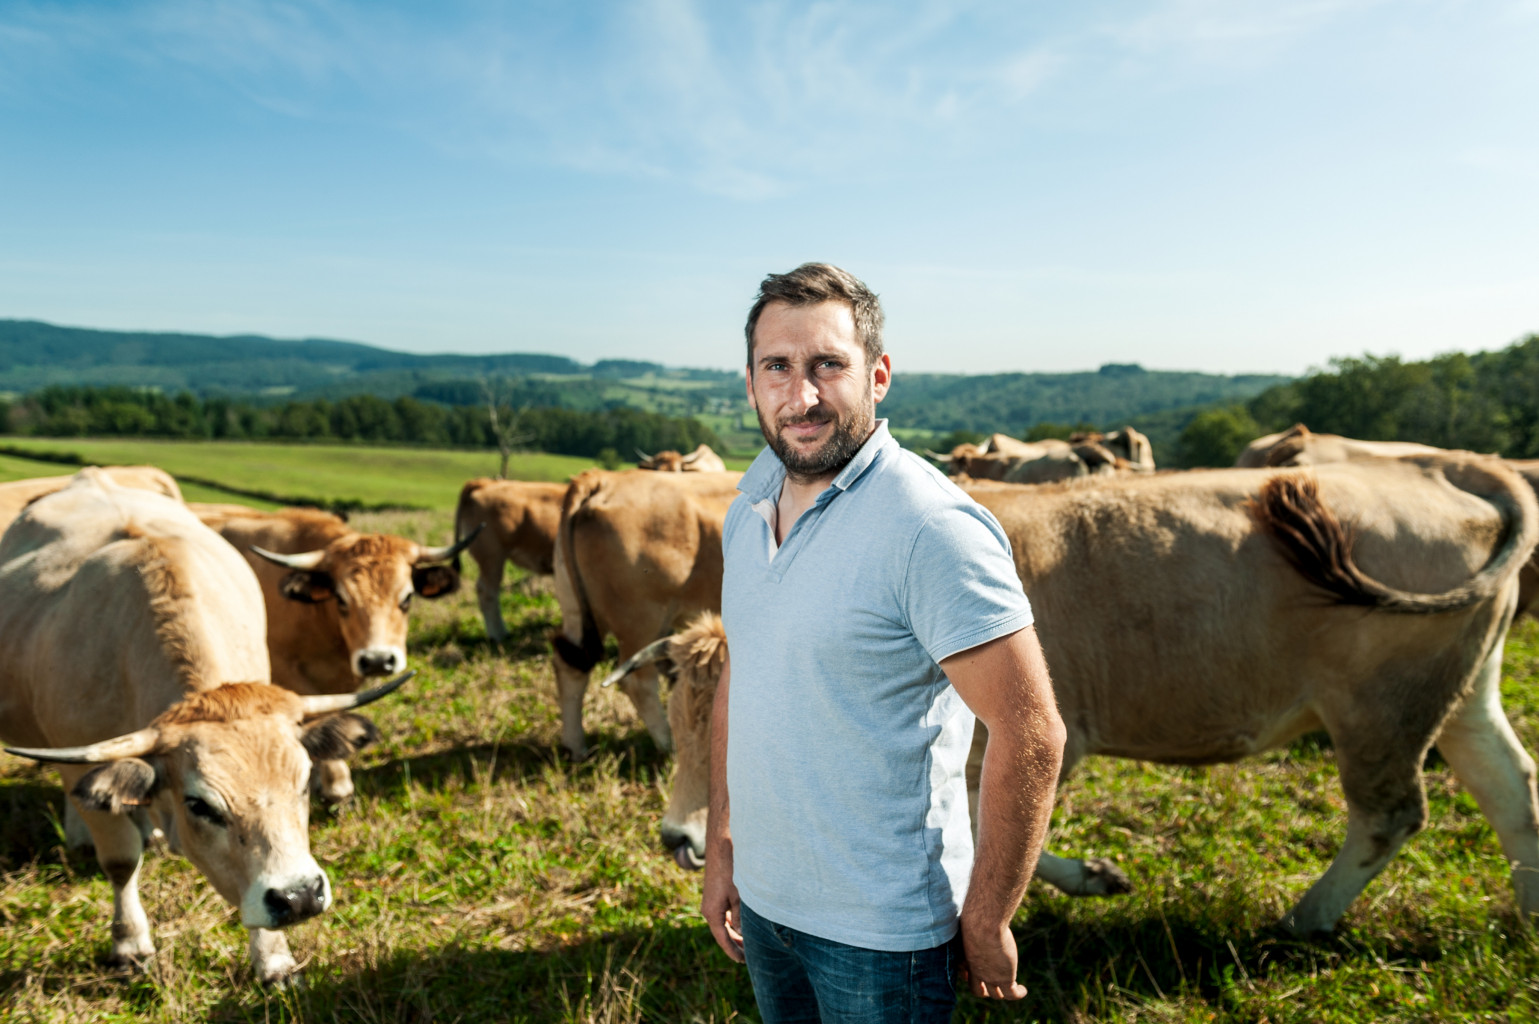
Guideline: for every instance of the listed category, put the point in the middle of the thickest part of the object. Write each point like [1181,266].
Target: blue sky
[1190,184]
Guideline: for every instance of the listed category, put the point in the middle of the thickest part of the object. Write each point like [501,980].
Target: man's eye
[201,808]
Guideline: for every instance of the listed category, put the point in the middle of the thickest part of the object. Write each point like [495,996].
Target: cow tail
[584,655]
[1319,546]
[462,525]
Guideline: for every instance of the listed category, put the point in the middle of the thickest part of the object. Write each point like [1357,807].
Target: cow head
[364,583]
[225,775]
[664,462]
[698,654]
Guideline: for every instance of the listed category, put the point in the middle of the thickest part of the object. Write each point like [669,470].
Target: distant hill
[34,355]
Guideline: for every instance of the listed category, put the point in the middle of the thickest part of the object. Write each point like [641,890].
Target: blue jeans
[802,979]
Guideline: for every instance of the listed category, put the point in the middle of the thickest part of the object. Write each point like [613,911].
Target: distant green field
[319,474]
[12,468]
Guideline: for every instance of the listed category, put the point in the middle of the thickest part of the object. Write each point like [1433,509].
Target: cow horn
[448,554]
[692,456]
[134,744]
[305,561]
[643,456]
[330,703]
[937,456]
[651,652]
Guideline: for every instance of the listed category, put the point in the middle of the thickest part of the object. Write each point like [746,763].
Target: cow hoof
[1104,878]
[126,963]
[289,980]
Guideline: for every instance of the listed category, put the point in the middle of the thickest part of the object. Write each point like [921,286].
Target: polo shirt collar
[766,474]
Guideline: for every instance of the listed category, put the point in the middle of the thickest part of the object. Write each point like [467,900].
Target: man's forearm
[1015,802]
[718,828]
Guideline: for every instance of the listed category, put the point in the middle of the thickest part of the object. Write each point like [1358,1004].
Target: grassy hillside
[316,474]
[480,878]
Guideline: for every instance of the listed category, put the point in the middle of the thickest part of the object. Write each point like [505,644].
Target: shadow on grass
[669,973]
[32,814]
[519,761]
[528,637]
[1074,973]
[1077,971]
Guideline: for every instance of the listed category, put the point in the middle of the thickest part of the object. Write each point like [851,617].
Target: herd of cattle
[194,670]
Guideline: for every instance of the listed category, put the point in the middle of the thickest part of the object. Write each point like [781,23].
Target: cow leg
[571,687]
[76,836]
[489,596]
[1480,746]
[271,961]
[120,851]
[641,686]
[331,781]
[1386,805]
[1073,876]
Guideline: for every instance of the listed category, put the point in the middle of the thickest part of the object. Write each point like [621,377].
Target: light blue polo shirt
[847,746]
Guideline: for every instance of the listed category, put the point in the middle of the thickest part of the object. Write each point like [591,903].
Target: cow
[701,460]
[133,656]
[16,495]
[636,552]
[1131,450]
[1035,462]
[1300,446]
[1368,599]
[519,519]
[336,601]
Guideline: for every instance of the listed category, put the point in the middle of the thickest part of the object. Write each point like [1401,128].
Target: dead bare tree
[503,420]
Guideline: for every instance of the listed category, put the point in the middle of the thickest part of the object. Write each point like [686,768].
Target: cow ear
[338,737]
[308,587]
[435,581]
[116,787]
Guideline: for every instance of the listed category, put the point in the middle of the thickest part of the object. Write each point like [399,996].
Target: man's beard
[832,455]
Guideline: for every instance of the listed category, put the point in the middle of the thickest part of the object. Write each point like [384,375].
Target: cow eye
[201,808]
[405,602]
[341,603]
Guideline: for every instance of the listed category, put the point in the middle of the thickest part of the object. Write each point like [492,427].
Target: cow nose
[297,902]
[673,837]
[377,663]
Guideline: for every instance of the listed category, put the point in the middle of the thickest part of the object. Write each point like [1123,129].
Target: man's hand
[989,962]
[719,901]
[718,895]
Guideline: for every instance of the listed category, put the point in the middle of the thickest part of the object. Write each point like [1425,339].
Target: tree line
[130,412]
[1485,402]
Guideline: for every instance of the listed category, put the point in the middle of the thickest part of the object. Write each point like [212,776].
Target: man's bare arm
[1005,682]
[719,900]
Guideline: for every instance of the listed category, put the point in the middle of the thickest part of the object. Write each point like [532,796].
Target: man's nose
[805,395]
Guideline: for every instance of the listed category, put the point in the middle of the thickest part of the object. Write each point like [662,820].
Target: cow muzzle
[296,902]
[378,661]
[681,845]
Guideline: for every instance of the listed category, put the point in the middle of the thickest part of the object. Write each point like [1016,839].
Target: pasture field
[426,478]
[13,468]
[479,877]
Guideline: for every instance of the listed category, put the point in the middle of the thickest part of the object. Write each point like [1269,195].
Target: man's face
[812,388]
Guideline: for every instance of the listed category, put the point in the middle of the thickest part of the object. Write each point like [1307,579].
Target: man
[871,610]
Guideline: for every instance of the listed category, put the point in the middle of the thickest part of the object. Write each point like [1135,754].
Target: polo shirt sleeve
[960,587]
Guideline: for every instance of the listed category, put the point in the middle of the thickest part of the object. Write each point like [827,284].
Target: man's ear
[748,385]
[881,377]
[435,580]
[338,737]
[308,586]
[116,787]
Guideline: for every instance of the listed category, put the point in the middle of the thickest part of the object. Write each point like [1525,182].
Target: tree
[505,429]
[1216,437]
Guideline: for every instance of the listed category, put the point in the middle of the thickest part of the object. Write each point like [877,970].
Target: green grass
[482,878]
[316,474]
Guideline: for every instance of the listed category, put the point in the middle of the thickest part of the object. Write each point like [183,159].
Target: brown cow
[336,600]
[520,518]
[1250,575]
[701,460]
[132,653]
[1130,448]
[636,553]
[16,495]
[1300,446]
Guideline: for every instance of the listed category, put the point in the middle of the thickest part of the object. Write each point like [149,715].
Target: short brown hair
[812,283]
